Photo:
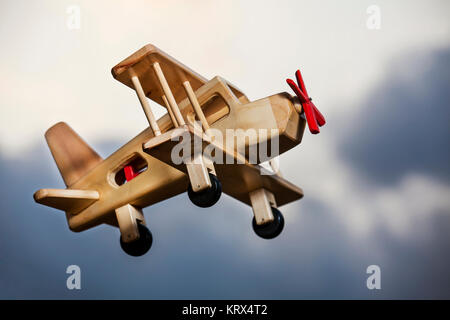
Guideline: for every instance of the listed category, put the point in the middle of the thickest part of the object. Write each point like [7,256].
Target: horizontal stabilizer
[68,200]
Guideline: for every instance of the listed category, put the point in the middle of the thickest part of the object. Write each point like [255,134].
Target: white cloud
[50,73]
[362,205]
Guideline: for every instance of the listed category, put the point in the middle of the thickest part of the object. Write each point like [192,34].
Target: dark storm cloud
[418,266]
[204,253]
[404,124]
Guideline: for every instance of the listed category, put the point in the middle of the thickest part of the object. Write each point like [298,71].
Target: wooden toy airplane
[144,171]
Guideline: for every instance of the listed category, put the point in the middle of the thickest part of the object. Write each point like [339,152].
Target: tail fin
[72,155]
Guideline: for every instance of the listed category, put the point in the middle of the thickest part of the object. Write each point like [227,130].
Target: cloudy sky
[376,179]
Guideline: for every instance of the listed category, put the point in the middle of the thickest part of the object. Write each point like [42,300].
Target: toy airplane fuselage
[142,172]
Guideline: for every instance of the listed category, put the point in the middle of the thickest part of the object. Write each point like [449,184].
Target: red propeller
[313,116]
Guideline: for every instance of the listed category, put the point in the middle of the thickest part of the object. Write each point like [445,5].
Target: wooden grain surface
[238,178]
[140,64]
[225,107]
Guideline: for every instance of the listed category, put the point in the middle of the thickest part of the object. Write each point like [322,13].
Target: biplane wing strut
[197,168]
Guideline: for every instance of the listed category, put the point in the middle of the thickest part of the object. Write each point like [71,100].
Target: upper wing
[140,64]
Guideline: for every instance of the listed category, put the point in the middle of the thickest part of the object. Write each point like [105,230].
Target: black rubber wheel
[272,229]
[140,246]
[208,197]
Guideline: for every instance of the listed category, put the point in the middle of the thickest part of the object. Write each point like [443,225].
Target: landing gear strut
[208,197]
[271,229]
[141,245]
